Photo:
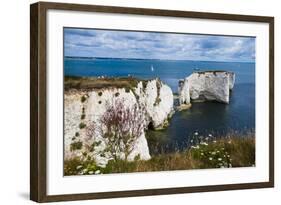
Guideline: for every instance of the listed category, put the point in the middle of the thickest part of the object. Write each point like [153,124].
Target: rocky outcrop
[85,106]
[206,86]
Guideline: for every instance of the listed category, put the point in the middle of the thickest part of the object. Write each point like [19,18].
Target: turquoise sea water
[205,118]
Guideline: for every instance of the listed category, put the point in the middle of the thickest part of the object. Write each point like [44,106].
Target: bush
[100,93]
[99,102]
[83,98]
[77,134]
[76,146]
[83,116]
[127,90]
[82,125]
[117,94]
[123,126]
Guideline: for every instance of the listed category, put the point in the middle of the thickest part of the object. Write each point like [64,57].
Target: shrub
[123,126]
[83,98]
[127,90]
[100,93]
[76,134]
[99,102]
[83,116]
[117,94]
[157,101]
[82,125]
[76,146]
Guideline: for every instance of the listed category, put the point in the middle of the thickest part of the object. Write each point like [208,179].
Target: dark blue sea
[205,118]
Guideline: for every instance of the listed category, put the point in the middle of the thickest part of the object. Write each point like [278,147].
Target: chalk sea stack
[206,86]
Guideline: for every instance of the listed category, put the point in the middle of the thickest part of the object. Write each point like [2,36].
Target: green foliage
[76,146]
[220,153]
[77,134]
[77,167]
[100,93]
[83,98]
[157,101]
[83,116]
[82,125]
[127,90]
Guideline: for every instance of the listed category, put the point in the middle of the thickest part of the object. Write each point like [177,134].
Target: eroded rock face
[207,86]
[156,97]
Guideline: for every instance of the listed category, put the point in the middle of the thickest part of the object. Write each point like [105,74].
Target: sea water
[205,118]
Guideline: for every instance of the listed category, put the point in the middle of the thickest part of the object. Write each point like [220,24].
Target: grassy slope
[233,152]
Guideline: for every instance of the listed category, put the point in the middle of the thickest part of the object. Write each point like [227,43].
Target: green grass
[71,82]
[232,152]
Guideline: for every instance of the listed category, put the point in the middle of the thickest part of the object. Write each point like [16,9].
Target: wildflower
[202,153]
[214,141]
[196,133]
[85,170]
[210,158]
[91,172]
[229,142]
[219,159]
[204,143]
[218,151]
[213,153]
[210,135]
[97,172]
[79,167]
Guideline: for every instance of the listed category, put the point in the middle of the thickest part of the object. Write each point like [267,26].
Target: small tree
[121,126]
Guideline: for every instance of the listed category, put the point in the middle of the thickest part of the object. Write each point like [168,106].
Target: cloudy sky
[150,45]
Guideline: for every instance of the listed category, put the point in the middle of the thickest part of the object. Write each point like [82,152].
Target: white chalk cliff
[155,96]
[206,86]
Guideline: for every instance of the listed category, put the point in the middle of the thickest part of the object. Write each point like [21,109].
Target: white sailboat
[151,67]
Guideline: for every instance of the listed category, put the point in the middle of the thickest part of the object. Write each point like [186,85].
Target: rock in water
[206,86]
[87,103]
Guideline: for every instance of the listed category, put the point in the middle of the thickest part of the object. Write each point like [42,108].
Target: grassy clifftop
[86,83]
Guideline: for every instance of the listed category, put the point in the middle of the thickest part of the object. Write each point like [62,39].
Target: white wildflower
[210,158]
[196,133]
[219,159]
[79,167]
[97,172]
[91,172]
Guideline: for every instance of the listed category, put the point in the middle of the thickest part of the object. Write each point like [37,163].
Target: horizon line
[126,58]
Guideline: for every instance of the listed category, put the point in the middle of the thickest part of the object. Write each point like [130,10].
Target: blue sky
[151,45]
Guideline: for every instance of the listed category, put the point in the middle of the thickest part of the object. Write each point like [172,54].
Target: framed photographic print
[134,102]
